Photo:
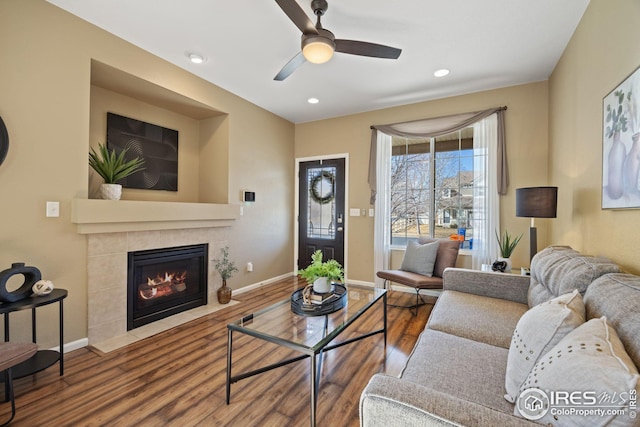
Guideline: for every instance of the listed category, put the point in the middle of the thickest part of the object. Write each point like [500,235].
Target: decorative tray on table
[306,302]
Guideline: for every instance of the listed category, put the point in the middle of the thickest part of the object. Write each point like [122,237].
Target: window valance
[438,126]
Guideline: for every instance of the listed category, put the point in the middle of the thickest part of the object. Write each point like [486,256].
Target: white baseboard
[360,283]
[430,292]
[70,346]
[263,283]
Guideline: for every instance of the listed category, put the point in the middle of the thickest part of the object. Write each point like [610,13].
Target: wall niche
[203,146]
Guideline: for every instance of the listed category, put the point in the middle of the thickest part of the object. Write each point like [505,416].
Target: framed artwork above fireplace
[157,145]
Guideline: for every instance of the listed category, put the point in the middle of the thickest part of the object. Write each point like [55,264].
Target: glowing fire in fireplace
[163,286]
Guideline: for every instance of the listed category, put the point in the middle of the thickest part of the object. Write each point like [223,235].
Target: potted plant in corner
[225,268]
[507,244]
[112,168]
[321,274]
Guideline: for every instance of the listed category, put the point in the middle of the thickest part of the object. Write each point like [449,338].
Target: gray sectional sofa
[457,370]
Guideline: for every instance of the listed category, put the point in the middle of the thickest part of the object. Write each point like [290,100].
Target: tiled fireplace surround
[107,272]
[111,236]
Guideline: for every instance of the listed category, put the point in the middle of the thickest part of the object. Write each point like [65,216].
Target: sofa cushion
[447,254]
[590,358]
[420,258]
[537,331]
[558,270]
[617,296]
[464,368]
[479,318]
[389,401]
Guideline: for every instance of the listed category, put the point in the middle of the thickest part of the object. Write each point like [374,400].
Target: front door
[321,210]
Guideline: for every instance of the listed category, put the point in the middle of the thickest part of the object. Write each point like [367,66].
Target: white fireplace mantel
[111,216]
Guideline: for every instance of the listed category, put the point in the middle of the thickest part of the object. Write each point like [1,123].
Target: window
[470,162]
[432,187]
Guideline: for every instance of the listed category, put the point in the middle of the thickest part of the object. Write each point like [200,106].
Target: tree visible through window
[432,187]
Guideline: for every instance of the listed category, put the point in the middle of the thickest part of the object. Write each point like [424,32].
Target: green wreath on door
[315,191]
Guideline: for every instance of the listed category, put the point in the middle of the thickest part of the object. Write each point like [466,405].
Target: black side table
[43,358]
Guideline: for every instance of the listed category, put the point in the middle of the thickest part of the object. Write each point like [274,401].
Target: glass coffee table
[309,335]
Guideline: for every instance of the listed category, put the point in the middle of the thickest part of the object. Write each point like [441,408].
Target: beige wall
[45,82]
[603,51]
[526,132]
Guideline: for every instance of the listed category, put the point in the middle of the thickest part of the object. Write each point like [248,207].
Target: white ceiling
[486,44]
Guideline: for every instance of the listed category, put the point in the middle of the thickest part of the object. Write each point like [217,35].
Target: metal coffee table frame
[315,351]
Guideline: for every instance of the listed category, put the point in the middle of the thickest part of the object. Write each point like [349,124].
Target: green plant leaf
[224,265]
[507,243]
[112,167]
[330,269]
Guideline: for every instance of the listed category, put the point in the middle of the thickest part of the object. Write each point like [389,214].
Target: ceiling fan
[319,44]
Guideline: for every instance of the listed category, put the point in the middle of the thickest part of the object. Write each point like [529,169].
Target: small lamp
[536,202]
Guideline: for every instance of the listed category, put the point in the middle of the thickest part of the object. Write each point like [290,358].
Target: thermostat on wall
[248,196]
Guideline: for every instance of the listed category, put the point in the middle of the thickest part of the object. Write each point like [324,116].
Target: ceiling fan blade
[297,16]
[290,67]
[354,47]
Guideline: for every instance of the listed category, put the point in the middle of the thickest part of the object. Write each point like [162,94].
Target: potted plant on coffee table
[507,245]
[112,168]
[322,274]
[225,268]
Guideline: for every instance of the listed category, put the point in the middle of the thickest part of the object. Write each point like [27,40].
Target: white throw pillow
[590,359]
[537,331]
[420,258]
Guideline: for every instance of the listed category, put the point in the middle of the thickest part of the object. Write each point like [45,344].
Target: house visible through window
[432,187]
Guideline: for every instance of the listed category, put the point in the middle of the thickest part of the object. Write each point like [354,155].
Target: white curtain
[486,203]
[382,218]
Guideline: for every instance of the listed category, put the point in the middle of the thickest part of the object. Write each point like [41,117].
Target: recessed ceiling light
[196,58]
[313,100]
[441,72]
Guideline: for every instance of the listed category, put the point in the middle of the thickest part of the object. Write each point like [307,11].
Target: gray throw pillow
[537,332]
[591,358]
[420,258]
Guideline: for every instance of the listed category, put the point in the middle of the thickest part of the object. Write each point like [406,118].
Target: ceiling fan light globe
[318,50]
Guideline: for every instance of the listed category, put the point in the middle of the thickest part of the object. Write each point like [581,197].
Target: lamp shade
[537,202]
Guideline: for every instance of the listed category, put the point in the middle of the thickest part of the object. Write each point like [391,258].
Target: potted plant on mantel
[112,168]
[225,268]
[321,274]
[507,245]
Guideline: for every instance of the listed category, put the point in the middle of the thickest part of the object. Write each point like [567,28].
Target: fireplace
[164,282]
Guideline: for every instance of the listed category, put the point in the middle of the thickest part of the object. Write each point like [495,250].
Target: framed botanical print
[620,145]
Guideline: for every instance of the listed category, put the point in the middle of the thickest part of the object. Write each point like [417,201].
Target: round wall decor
[4,141]
[319,185]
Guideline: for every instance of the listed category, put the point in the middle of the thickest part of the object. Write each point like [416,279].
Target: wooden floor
[177,378]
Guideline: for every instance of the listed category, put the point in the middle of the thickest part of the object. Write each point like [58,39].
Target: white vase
[507,269]
[321,285]
[110,191]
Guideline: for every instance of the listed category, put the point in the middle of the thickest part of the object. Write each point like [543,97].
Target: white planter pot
[508,261]
[110,191]
[321,285]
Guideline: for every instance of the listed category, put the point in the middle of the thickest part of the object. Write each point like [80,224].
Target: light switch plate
[372,212]
[53,209]
[354,212]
